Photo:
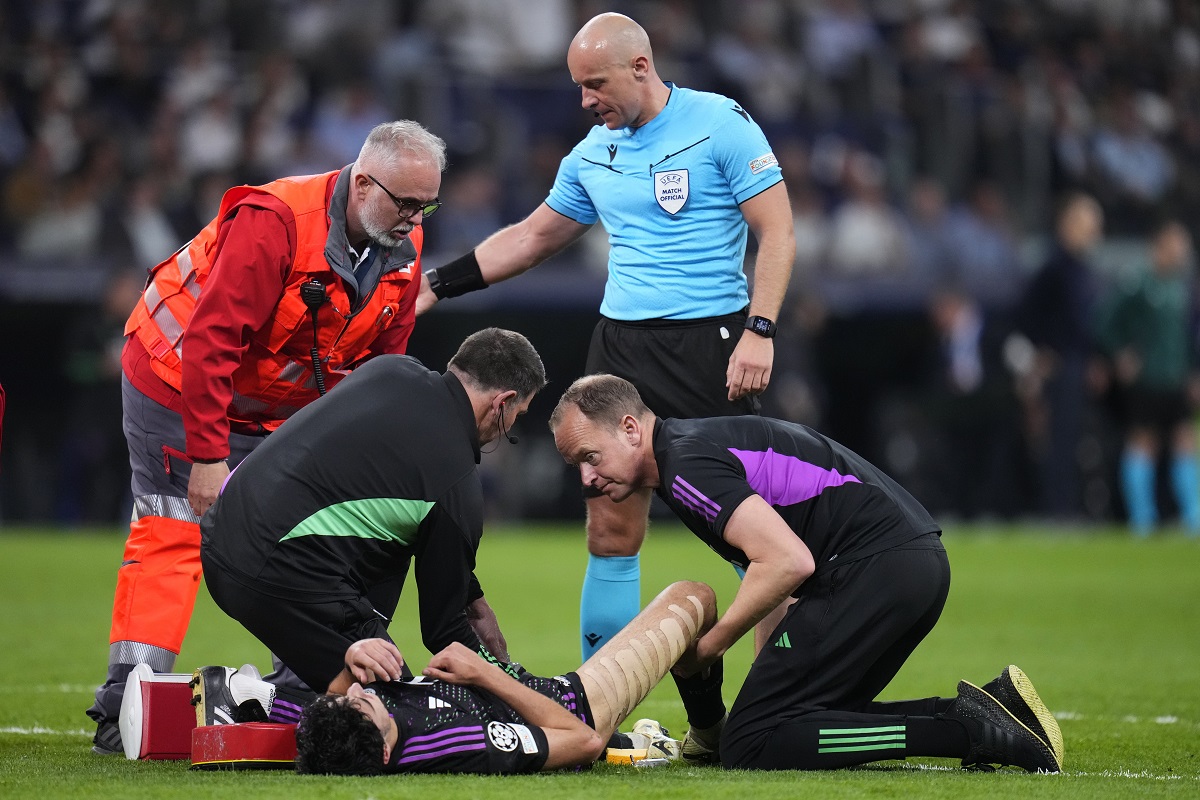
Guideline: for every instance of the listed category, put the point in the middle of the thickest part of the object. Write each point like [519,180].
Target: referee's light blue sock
[611,598]
[1185,480]
[1137,486]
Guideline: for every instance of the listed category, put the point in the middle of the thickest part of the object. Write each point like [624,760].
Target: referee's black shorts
[841,643]
[677,365]
[1160,410]
[309,635]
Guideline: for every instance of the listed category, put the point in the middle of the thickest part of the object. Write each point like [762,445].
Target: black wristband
[460,276]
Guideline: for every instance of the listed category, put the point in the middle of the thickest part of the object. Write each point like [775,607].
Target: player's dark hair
[604,399]
[334,738]
[494,359]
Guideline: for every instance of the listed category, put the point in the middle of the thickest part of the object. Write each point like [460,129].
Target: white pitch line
[49,688]
[1131,719]
[38,730]
[1124,773]
[1108,773]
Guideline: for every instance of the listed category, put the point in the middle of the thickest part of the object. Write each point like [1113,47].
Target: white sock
[244,687]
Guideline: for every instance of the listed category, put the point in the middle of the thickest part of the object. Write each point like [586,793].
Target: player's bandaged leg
[155,595]
[611,593]
[622,673]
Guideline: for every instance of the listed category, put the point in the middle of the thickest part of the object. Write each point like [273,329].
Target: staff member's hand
[425,297]
[483,621]
[205,484]
[749,369]
[374,660]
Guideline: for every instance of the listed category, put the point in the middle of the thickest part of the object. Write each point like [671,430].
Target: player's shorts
[677,365]
[566,690]
[841,643]
[309,634]
[1158,409]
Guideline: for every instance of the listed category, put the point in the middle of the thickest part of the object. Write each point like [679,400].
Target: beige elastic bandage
[624,671]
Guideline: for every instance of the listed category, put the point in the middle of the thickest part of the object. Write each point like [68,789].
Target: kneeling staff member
[807,520]
[350,490]
[465,715]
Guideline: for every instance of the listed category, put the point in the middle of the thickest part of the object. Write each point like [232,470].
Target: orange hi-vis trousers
[157,583]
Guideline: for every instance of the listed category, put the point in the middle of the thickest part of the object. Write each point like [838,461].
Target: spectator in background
[973,408]
[1147,331]
[927,225]
[983,248]
[867,252]
[90,491]
[343,120]
[1135,171]
[472,213]
[756,62]
[1056,315]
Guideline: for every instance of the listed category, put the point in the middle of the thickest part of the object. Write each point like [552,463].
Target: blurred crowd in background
[926,144]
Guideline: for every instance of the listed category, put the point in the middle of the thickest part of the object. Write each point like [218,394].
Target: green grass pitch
[1107,627]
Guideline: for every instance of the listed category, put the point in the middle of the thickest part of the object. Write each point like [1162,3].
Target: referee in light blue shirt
[678,178]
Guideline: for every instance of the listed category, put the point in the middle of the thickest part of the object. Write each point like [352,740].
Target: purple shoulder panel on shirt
[784,480]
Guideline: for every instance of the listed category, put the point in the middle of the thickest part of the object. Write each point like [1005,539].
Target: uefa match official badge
[671,189]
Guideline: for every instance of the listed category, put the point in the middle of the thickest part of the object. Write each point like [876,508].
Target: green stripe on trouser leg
[858,740]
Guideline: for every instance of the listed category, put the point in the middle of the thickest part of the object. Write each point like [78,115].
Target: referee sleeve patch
[757,165]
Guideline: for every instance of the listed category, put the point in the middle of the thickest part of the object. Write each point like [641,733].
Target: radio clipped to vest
[314,296]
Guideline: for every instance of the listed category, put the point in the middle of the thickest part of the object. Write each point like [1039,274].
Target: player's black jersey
[380,471]
[460,729]
[841,505]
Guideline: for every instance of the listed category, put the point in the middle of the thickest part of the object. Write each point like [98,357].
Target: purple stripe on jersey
[443,743]
[285,705]
[687,494]
[449,731]
[283,711]
[466,737]
[439,753]
[283,715]
[784,480]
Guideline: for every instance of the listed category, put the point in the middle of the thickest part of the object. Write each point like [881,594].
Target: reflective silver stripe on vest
[170,328]
[183,262]
[152,297]
[161,505]
[294,372]
[187,273]
[246,406]
[159,659]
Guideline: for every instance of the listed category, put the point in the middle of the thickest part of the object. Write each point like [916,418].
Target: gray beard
[381,236]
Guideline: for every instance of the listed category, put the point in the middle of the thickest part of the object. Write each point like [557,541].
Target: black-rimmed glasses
[408,206]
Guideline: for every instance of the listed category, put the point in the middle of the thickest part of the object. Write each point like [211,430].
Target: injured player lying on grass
[467,715]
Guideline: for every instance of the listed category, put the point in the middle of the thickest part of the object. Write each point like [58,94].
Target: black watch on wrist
[762,326]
